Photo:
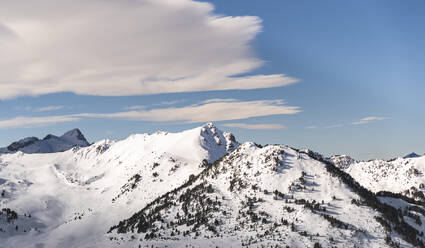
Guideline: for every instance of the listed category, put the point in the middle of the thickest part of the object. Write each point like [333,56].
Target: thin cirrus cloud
[139,107]
[27,122]
[255,126]
[48,108]
[121,48]
[203,112]
[168,102]
[135,107]
[369,120]
[365,120]
[44,109]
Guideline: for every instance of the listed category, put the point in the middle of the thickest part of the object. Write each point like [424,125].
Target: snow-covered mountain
[199,187]
[48,144]
[73,197]
[272,196]
[400,175]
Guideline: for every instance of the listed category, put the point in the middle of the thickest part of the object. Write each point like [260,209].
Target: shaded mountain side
[49,144]
[412,155]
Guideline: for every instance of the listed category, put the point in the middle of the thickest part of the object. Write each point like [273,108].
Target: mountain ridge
[243,195]
[199,187]
[49,144]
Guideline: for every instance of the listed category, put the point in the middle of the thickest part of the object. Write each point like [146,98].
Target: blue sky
[358,67]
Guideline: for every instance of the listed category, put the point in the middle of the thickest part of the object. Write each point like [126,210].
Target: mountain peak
[73,132]
[75,136]
[216,141]
[50,143]
[50,136]
[209,125]
[412,155]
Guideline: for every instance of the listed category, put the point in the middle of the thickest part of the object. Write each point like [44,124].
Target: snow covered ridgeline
[81,192]
[272,196]
[48,144]
[400,175]
[393,206]
[255,196]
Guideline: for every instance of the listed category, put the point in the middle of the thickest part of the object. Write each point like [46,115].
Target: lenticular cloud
[129,47]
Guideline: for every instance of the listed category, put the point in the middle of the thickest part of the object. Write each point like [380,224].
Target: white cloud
[368,120]
[168,102]
[135,107]
[48,108]
[139,107]
[219,100]
[255,126]
[203,112]
[365,120]
[26,122]
[43,109]
[132,47]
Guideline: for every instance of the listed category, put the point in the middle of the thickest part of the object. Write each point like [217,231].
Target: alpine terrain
[201,188]
[48,144]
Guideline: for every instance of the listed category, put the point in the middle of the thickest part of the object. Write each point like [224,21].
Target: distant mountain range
[49,144]
[202,188]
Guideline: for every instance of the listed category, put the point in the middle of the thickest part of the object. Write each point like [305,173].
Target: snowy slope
[197,187]
[73,197]
[401,175]
[271,196]
[48,144]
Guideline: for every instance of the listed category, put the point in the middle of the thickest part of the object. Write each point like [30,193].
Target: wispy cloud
[365,120]
[134,56]
[48,108]
[203,112]
[44,109]
[255,126]
[163,103]
[26,122]
[135,107]
[218,100]
[334,126]
[369,120]
[312,127]
[167,103]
